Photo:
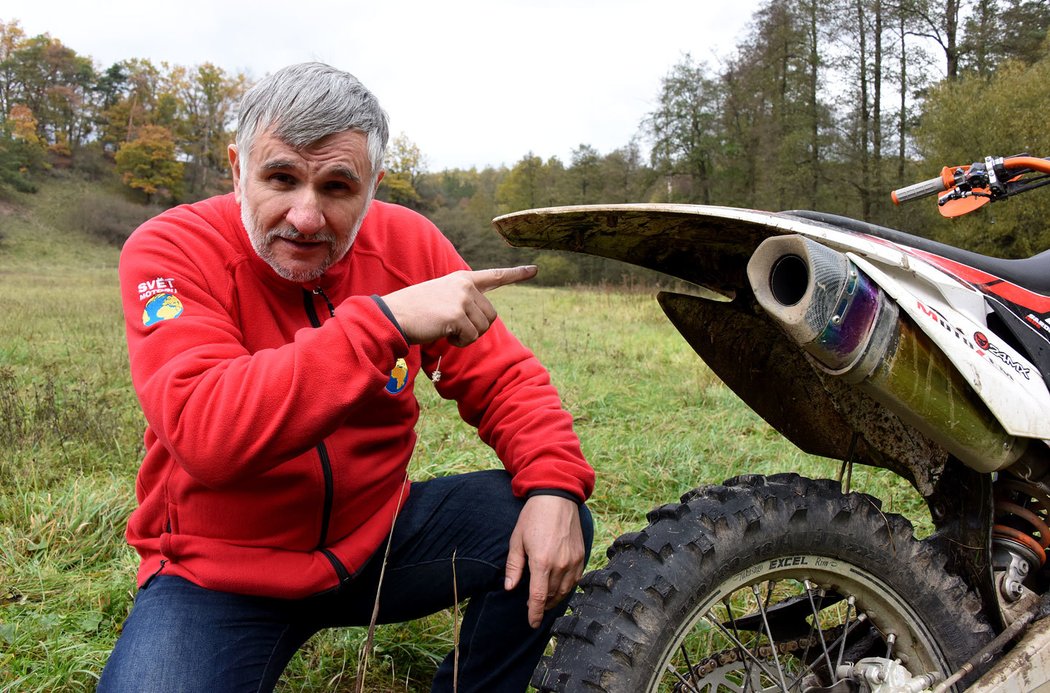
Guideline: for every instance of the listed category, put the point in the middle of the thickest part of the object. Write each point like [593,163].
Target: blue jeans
[181,637]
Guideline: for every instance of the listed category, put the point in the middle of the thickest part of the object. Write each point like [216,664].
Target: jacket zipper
[322,451]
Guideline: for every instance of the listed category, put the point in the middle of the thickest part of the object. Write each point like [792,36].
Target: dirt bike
[862,344]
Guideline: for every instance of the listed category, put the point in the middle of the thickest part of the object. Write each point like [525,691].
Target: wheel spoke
[842,646]
[674,672]
[769,632]
[747,654]
[749,673]
[736,632]
[861,618]
[820,631]
[688,667]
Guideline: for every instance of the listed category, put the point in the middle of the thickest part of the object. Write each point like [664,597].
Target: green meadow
[653,420]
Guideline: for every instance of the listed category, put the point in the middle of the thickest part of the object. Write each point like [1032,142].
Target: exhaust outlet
[852,330]
[825,304]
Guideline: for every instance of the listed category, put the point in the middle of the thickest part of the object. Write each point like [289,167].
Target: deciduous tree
[11,39]
[684,133]
[55,83]
[585,173]
[148,163]
[405,166]
[207,97]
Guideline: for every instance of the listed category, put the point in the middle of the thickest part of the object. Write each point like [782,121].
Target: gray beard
[262,242]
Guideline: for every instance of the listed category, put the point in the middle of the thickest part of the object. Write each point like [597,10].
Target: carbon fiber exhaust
[849,327]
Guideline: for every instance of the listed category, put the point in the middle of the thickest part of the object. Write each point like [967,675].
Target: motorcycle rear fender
[815,411]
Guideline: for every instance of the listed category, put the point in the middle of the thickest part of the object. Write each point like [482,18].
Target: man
[275,336]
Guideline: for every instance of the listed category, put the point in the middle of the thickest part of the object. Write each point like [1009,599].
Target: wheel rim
[819,612]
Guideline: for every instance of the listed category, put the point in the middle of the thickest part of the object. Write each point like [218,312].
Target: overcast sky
[472,82]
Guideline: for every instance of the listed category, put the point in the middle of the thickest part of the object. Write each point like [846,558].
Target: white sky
[471,82]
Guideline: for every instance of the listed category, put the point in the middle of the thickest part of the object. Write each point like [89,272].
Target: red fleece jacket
[280,429]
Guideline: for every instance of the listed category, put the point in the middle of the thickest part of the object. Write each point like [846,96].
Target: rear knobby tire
[649,620]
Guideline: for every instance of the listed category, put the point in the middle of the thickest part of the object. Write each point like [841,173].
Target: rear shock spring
[1020,533]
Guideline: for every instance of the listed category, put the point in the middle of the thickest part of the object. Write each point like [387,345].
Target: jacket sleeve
[503,390]
[224,413]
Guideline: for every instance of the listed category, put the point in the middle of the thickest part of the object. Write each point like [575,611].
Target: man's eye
[282,179]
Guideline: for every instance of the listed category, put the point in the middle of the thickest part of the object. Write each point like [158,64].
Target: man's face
[302,208]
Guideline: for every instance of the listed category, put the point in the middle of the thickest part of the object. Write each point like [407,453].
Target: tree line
[162,128]
[821,105]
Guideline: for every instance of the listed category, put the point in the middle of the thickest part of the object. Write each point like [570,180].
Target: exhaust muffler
[849,327]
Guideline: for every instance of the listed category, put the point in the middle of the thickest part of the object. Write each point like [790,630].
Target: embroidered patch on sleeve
[161,307]
[398,377]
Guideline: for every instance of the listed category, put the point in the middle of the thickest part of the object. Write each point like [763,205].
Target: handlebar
[979,183]
[926,188]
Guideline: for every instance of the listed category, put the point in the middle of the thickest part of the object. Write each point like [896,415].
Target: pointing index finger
[488,279]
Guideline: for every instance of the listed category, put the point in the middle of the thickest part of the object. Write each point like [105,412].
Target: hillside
[69,222]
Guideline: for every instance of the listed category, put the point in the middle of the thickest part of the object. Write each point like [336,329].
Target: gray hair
[301,104]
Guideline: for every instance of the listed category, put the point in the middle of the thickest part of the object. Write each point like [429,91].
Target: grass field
[653,420]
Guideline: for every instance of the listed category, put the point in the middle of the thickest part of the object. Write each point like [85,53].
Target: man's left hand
[549,537]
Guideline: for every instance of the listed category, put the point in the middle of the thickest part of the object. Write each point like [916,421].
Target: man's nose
[306,214]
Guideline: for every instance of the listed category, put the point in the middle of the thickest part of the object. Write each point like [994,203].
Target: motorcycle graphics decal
[1012,293]
[1037,322]
[980,345]
[984,343]
[1024,314]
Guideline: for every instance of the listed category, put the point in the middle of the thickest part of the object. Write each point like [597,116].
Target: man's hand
[453,306]
[549,537]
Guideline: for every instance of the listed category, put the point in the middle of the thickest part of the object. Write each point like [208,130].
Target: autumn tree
[140,94]
[938,21]
[813,113]
[206,100]
[817,106]
[55,83]
[532,183]
[21,149]
[11,39]
[771,113]
[1000,30]
[405,166]
[981,44]
[148,163]
[585,175]
[910,76]
[1025,24]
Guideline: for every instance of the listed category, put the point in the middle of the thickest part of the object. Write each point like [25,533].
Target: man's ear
[235,170]
[379,179]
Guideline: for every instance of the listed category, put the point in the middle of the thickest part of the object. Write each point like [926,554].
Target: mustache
[291,233]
